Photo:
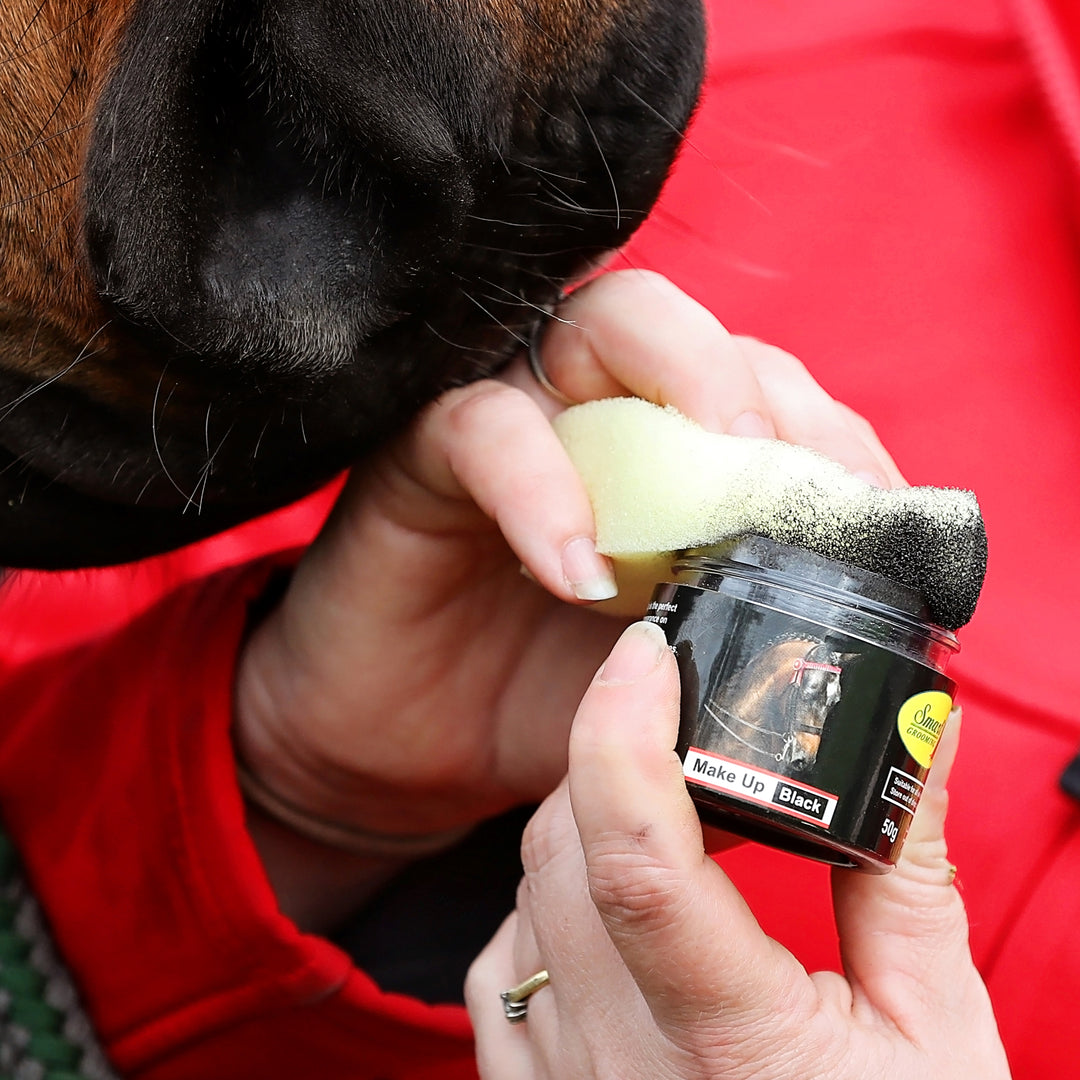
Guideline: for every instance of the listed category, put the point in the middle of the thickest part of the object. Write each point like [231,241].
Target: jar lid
[801,569]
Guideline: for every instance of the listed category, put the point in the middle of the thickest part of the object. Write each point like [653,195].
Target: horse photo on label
[772,710]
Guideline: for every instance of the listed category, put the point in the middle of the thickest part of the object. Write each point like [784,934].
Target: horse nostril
[269,184]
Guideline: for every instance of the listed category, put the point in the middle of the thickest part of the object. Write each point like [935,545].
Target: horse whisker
[603,159]
[26,394]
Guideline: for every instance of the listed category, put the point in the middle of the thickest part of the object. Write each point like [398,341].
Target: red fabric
[118,783]
[888,190]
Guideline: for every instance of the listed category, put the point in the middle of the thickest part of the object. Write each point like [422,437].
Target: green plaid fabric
[44,1033]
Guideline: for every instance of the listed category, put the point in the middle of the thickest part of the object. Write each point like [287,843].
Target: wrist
[317,888]
[323,871]
[339,835]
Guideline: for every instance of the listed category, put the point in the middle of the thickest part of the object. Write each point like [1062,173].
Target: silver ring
[536,363]
[516,999]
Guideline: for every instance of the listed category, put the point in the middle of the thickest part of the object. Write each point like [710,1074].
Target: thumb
[688,939]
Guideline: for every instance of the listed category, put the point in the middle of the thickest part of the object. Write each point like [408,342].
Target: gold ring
[516,999]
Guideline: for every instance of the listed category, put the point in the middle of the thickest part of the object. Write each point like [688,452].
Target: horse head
[776,706]
[812,692]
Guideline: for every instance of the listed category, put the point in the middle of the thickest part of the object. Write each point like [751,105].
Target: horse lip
[101,432]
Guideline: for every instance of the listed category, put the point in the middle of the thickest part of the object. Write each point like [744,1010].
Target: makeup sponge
[659,483]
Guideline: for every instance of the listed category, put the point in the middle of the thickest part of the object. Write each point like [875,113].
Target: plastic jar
[813,697]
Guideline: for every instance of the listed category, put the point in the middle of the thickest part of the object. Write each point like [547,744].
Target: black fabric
[420,934]
[1070,778]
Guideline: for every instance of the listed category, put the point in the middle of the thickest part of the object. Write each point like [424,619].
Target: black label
[806,802]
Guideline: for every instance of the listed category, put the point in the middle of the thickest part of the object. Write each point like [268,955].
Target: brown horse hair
[54,56]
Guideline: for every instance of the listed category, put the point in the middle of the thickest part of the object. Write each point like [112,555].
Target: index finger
[633,331]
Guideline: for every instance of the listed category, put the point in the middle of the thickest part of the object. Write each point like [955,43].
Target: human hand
[413,681]
[658,968]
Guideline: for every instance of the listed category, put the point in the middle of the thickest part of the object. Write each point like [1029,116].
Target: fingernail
[588,574]
[751,425]
[635,654]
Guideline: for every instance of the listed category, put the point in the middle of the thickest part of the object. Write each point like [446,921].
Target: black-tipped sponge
[660,483]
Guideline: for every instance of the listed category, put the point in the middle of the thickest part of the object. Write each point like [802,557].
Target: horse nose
[809,744]
[242,173]
[335,210]
[269,185]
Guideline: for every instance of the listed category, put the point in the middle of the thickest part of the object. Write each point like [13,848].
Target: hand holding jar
[656,967]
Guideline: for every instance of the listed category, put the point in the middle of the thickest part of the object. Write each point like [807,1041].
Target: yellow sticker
[921,721]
